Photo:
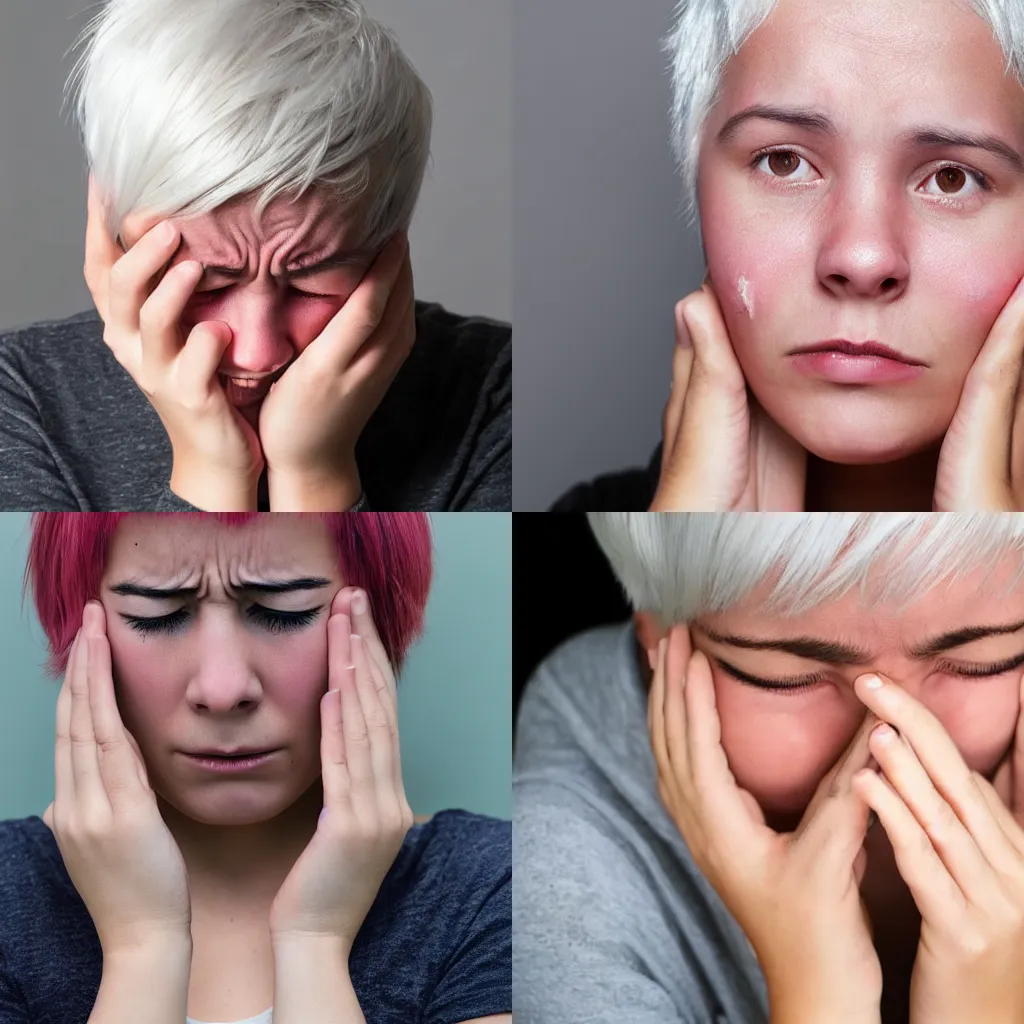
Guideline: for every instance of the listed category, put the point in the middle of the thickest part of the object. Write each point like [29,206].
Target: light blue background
[455,696]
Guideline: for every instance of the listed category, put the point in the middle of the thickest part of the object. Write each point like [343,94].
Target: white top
[267,1017]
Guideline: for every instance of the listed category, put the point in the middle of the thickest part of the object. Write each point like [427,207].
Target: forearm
[148,985]
[312,983]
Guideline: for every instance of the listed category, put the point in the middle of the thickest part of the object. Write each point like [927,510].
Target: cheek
[967,288]
[301,319]
[981,719]
[780,747]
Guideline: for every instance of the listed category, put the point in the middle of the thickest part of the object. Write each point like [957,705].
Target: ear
[648,633]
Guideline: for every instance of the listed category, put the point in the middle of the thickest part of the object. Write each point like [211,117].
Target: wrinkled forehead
[180,548]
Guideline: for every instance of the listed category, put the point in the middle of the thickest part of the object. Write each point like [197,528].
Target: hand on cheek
[366,816]
[981,463]
[961,853]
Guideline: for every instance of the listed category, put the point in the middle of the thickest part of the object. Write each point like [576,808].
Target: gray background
[461,238]
[454,697]
[602,250]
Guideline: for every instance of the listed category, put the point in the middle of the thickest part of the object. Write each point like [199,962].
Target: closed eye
[297,291]
[267,618]
[800,683]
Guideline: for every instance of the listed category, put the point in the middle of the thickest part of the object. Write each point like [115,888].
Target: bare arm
[145,984]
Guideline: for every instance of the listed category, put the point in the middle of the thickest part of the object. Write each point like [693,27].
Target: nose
[260,339]
[863,254]
[222,679]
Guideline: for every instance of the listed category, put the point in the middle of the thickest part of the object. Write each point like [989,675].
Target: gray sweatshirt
[613,923]
[77,434]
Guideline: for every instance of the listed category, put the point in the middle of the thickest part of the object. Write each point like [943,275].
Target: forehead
[167,546]
[989,595]
[315,221]
[910,61]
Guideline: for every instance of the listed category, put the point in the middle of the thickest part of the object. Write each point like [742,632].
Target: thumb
[836,807]
[202,355]
[714,426]
[682,364]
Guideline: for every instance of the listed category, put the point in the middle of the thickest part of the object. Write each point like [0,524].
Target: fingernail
[883,732]
[167,231]
[873,682]
[359,602]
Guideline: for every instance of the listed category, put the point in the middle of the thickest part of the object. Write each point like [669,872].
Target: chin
[855,433]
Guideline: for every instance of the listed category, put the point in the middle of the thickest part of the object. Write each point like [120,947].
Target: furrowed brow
[129,588]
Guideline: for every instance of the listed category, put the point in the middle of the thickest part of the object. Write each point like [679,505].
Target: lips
[247,752]
[863,348]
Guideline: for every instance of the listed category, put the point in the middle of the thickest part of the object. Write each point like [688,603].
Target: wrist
[335,491]
[797,1002]
[214,492]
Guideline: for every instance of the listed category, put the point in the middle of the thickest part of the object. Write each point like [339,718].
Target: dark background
[562,585]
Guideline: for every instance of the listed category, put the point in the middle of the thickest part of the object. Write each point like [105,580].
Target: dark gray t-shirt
[77,434]
[435,948]
[614,922]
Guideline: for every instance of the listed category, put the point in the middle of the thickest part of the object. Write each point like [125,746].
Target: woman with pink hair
[230,830]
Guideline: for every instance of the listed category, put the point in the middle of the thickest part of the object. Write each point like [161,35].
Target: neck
[906,485]
[243,865]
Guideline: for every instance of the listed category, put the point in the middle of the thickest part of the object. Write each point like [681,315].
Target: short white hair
[183,105]
[707,32]
[681,565]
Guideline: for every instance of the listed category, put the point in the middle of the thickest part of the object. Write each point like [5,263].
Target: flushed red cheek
[780,746]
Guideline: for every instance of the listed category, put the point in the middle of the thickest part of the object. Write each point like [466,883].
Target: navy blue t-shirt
[435,948]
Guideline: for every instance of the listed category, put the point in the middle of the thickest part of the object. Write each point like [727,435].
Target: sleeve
[629,491]
[477,981]
[590,938]
[170,502]
[12,1004]
[33,475]
[487,484]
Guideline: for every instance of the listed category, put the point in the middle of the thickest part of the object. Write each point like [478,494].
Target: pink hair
[388,554]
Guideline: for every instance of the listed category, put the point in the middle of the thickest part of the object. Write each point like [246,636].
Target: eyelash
[298,291]
[267,618]
[806,682]
[980,179]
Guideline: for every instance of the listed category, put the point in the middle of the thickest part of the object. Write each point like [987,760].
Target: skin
[863,235]
[224,680]
[273,316]
[780,745]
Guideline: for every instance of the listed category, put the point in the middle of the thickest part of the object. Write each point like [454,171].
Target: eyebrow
[334,261]
[131,589]
[930,136]
[834,653]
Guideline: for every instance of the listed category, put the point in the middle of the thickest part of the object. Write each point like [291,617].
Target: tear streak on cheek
[746,290]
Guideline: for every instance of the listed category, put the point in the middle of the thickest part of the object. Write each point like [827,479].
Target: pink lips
[846,362]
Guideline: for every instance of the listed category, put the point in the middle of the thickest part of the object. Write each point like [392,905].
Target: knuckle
[941,821]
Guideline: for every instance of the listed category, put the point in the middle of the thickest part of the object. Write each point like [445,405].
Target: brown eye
[951,180]
[783,163]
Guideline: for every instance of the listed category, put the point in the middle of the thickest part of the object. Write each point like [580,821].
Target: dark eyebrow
[834,653]
[942,137]
[130,589]
[928,136]
[335,261]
